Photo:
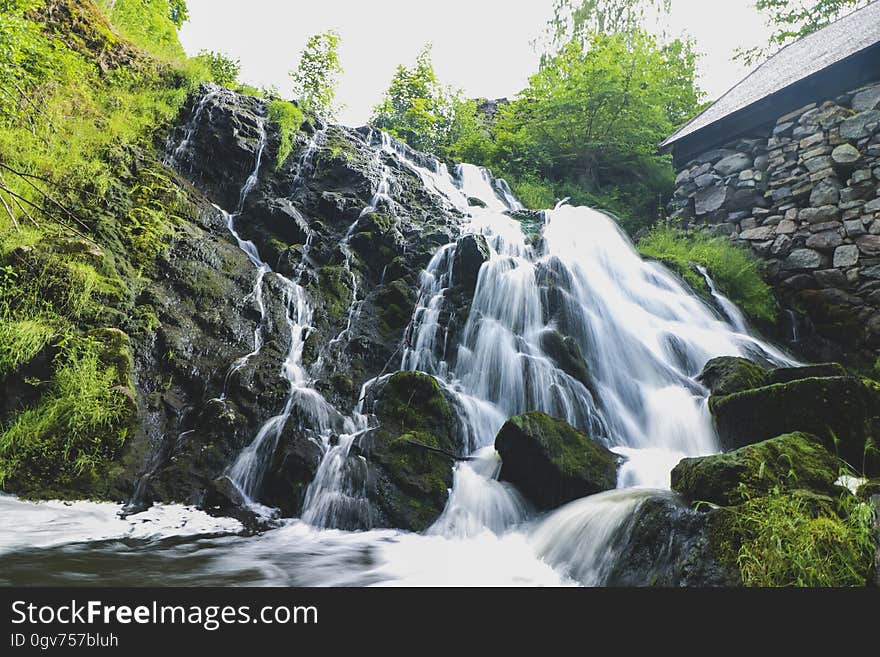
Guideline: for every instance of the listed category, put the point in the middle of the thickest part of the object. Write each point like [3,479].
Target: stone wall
[804,193]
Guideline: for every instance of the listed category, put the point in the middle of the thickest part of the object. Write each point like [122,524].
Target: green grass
[288,118]
[21,341]
[734,270]
[792,540]
[66,443]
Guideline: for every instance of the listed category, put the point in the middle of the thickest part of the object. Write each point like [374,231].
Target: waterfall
[642,333]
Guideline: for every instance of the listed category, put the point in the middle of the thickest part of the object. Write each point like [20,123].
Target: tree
[224,69]
[576,19]
[590,120]
[793,19]
[178,12]
[419,109]
[317,76]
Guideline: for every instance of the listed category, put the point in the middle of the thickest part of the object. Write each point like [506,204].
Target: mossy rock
[116,352]
[729,374]
[412,480]
[843,411]
[551,462]
[334,284]
[797,460]
[787,374]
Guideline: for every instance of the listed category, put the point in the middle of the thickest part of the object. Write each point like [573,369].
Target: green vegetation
[86,91]
[790,539]
[792,20]
[288,118]
[317,75]
[224,69]
[67,443]
[418,109]
[586,127]
[733,269]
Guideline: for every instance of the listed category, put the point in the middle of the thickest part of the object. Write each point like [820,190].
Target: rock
[869,245]
[786,374]
[796,460]
[854,228]
[824,241]
[565,352]
[872,206]
[825,192]
[786,227]
[846,156]
[761,233]
[819,215]
[858,126]
[710,199]
[846,255]
[471,252]
[728,374]
[667,544]
[550,462]
[803,259]
[867,99]
[408,480]
[842,410]
[733,164]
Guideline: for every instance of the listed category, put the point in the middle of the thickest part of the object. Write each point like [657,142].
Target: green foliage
[66,442]
[150,24]
[224,69]
[791,540]
[733,268]
[534,193]
[575,20]
[317,75]
[421,111]
[20,342]
[792,20]
[288,118]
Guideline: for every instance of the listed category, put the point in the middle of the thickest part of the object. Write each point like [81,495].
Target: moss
[334,289]
[288,119]
[729,374]
[797,459]
[413,401]
[842,411]
[551,462]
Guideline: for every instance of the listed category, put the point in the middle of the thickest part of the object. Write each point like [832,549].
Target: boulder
[411,453]
[867,99]
[728,374]
[550,462]
[733,164]
[565,352]
[846,156]
[786,374]
[844,411]
[471,252]
[797,460]
[859,126]
[710,199]
[669,544]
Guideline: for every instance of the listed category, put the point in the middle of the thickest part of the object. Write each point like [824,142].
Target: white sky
[481,46]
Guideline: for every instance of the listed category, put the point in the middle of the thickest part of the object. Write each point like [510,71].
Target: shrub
[288,118]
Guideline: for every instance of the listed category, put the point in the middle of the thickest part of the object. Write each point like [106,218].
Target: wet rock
[550,462]
[842,410]
[796,459]
[471,252]
[728,374]
[412,452]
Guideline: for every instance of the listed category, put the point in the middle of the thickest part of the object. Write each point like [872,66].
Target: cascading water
[643,336]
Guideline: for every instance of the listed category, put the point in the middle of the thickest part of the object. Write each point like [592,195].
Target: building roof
[793,64]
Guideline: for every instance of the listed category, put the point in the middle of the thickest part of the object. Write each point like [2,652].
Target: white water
[643,334]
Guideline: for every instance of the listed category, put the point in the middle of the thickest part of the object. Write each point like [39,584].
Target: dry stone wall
[804,194]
